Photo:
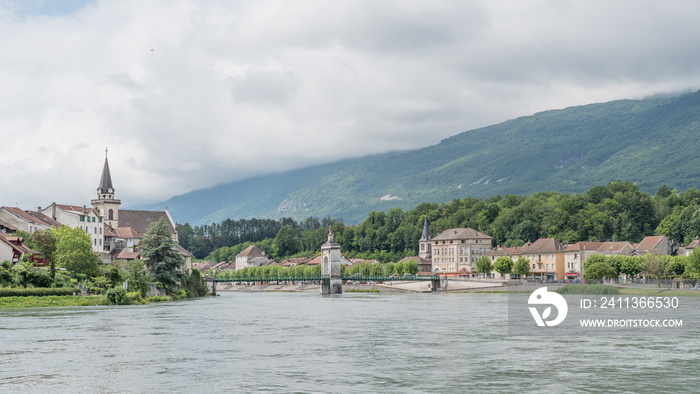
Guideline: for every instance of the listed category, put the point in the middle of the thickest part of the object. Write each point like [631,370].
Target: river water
[304,342]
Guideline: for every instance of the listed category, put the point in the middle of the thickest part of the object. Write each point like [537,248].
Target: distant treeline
[618,211]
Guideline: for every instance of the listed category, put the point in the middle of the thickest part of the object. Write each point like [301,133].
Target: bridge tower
[332,282]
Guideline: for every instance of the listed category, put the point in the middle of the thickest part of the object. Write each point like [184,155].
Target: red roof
[650,243]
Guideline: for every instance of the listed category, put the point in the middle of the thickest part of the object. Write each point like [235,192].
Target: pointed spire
[106,180]
[426,230]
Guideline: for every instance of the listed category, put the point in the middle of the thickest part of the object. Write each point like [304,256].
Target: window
[111,214]
[82,218]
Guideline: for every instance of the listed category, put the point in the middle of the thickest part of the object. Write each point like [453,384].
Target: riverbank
[52,301]
[72,300]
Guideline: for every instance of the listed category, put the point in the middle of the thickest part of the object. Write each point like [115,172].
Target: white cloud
[188,94]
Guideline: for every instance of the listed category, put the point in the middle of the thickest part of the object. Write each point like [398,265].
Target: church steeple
[424,243]
[105,203]
[106,180]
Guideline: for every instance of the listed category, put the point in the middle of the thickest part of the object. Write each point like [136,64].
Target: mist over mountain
[651,142]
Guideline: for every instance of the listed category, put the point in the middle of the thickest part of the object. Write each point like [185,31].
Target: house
[621,248]
[13,249]
[455,251]
[576,254]
[425,266]
[24,221]
[546,258]
[6,228]
[82,217]
[690,247]
[250,256]
[657,244]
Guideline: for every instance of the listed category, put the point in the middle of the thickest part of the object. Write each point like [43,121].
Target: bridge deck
[358,278]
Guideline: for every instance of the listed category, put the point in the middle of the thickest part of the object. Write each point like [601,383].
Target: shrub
[159,299]
[37,291]
[135,297]
[96,290]
[117,296]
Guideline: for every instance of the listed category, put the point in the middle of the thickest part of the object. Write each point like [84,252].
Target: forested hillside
[618,211]
[649,142]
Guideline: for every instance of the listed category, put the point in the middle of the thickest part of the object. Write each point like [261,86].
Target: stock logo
[543,297]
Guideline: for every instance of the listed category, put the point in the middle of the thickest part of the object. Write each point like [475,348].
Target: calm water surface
[303,342]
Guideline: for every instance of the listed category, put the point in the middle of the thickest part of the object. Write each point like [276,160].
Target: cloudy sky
[188,94]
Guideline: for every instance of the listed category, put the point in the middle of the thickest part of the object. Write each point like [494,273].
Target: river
[304,342]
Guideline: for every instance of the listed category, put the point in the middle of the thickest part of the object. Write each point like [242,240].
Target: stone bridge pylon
[332,282]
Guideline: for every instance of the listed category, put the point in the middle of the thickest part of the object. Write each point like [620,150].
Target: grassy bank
[51,301]
[587,289]
[71,300]
[665,292]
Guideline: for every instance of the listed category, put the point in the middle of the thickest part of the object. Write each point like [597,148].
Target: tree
[74,251]
[522,267]
[389,268]
[599,271]
[654,265]
[136,277]
[483,265]
[286,242]
[692,263]
[162,258]
[503,265]
[411,266]
[592,259]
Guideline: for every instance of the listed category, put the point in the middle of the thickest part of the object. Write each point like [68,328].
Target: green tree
[483,265]
[522,267]
[44,241]
[692,263]
[599,271]
[389,268]
[286,243]
[74,251]
[656,266]
[411,266]
[136,277]
[503,265]
[163,260]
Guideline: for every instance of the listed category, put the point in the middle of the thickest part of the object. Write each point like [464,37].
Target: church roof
[426,231]
[139,221]
[106,180]
[460,233]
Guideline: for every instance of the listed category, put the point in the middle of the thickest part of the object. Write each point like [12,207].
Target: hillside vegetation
[649,142]
[618,211]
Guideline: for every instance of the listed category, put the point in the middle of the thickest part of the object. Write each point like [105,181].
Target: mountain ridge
[649,141]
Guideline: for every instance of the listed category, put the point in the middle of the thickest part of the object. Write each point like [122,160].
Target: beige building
[657,244]
[621,248]
[456,250]
[576,254]
[250,257]
[546,258]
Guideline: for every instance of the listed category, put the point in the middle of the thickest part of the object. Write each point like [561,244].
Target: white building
[82,217]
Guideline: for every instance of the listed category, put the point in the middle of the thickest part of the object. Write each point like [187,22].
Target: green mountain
[651,142]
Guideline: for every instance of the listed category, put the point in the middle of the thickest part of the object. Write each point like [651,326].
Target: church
[115,232]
